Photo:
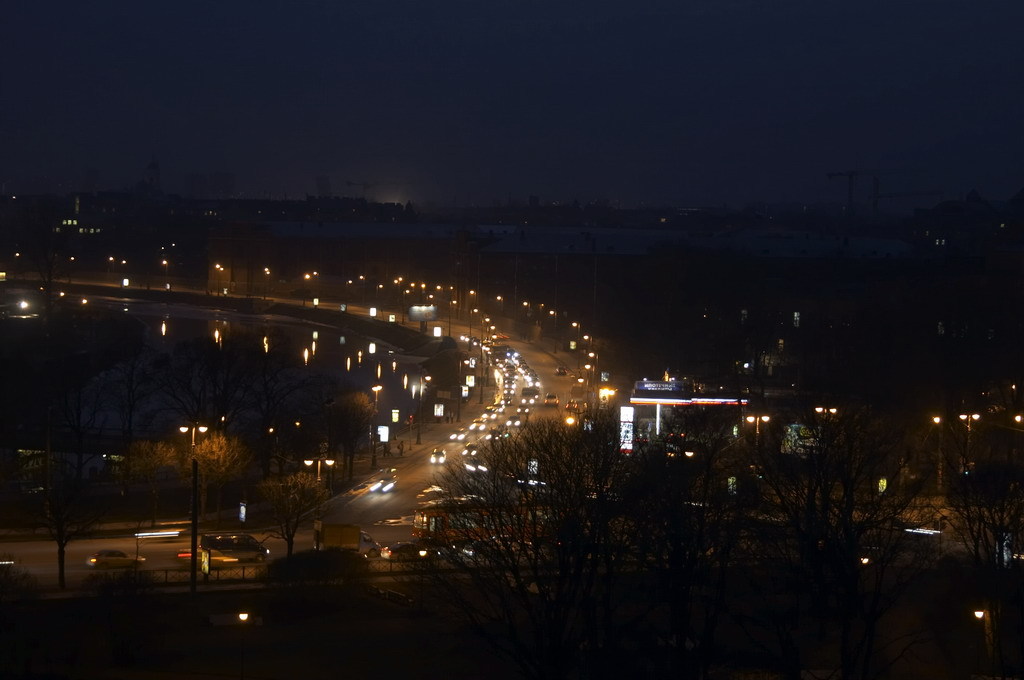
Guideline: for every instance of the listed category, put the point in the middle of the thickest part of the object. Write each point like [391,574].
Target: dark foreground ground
[292,633]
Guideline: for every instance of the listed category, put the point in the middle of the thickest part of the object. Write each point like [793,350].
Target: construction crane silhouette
[876,195]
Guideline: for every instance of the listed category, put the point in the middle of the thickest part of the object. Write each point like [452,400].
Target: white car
[437,456]
[384,482]
[113,559]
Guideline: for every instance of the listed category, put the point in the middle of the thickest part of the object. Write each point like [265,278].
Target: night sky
[684,102]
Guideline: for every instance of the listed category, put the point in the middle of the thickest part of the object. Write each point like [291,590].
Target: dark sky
[659,101]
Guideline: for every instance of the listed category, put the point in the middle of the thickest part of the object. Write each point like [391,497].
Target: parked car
[114,559]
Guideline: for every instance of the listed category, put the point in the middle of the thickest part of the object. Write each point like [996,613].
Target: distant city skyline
[706,102]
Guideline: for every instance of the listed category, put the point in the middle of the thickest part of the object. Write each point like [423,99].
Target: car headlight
[388,487]
[376,485]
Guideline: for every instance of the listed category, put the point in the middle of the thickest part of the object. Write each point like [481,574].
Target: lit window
[796,319]
[781,345]
[942,328]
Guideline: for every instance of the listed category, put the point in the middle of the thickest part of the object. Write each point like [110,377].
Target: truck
[346,537]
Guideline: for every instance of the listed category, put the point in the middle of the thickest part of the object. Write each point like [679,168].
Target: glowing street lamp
[326,461]
[419,414]
[373,442]
[194,558]
[243,617]
[756,422]
[967,419]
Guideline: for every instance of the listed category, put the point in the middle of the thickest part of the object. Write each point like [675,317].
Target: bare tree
[540,533]
[132,387]
[67,515]
[349,418]
[986,504]
[209,378]
[276,381]
[689,513]
[80,406]
[834,548]
[291,500]
[144,462]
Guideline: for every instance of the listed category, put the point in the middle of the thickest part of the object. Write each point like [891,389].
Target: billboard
[798,439]
[626,429]
[423,313]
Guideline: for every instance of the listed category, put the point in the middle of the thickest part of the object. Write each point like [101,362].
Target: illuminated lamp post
[373,442]
[756,422]
[967,419]
[243,618]
[939,462]
[330,464]
[419,416]
[986,649]
[326,461]
[194,557]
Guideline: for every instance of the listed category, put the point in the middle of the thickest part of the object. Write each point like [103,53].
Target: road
[387,517]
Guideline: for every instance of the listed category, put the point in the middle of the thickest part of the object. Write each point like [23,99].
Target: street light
[756,422]
[329,462]
[373,442]
[309,463]
[419,415]
[940,463]
[243,617]
[193,559]
[967,419]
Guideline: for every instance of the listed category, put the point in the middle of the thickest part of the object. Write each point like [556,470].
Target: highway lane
[387,517]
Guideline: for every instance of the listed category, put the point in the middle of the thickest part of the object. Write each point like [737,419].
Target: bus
[452,522]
